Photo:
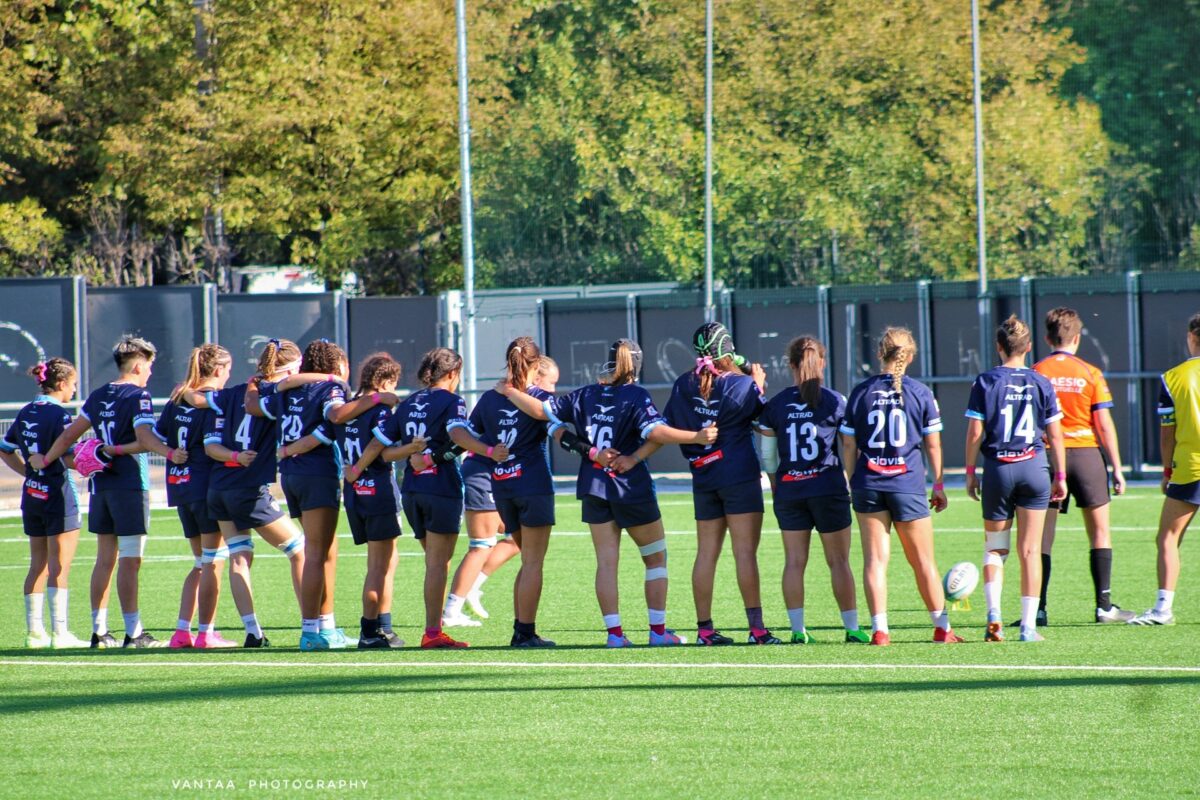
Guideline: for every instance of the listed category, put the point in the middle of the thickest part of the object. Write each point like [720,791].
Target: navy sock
[385,622]
[705,624]
[754,617]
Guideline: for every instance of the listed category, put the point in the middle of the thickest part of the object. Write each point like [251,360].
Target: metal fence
[1134,331]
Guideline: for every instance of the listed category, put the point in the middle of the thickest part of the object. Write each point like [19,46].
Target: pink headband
[707,363]
[41,371]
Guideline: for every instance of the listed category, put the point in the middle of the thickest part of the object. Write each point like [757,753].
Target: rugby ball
[961,580]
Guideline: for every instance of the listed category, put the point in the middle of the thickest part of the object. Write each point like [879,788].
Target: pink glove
[87,462]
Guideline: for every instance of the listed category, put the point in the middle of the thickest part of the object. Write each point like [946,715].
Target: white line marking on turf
[125,663]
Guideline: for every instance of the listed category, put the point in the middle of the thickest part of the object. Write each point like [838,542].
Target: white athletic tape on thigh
[292,545]
[476,544]
[198,562]
[992,559]
[240,543]
[222,554]
[654,547]
[207,556]
[131,546]
[997,540]
[656,574]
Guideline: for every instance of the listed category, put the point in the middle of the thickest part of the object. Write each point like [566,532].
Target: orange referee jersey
[1081,391]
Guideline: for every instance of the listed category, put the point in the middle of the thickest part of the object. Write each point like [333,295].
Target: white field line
[86,538]
[127,663]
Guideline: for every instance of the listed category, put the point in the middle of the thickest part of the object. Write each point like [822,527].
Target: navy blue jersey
[431,413]
[182,427]
[375,492]
[1015,405]
[733,406]
[611,416]
[888,427]
[301,412]
[527,470]
[231,427]
[34,430]
[810,464]
[115,410]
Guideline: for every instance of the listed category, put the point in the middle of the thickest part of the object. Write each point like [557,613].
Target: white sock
[612,620]
[207,627]
[250,621]
[58,607]
[796,618]
[1029,607]
[1165,600]
[879,623]
[310,625]
[99,621]
[33,613]
[326,622]
[850,619]
[454,605]
[133,624]
[184,625]
[480,580]
[940,619]
[657,616]
[991,596]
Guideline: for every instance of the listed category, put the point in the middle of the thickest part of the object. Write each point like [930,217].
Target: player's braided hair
[522,357]
[806,354]
[437,364]
[130,348]
[322,355]
[1194,326]
[203,363]
[277,353]
[52,374]
[376,370]
[1014,336]
[896,349]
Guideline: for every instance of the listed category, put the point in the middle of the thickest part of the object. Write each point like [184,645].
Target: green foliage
[326,134]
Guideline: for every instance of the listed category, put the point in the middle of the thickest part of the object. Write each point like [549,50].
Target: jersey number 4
[1024,427]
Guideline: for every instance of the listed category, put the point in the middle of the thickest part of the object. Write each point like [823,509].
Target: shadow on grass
[373,686]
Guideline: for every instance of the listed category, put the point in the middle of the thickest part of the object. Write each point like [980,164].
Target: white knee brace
[292,545]
[240,543]
[131,546]
[997,540]
[655,573]
[994,559]
[214,554]
[481,544]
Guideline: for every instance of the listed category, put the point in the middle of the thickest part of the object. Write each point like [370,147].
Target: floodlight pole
[980,226]
[710,311]
[468,227]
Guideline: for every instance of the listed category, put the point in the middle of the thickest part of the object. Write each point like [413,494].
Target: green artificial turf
[1088,713]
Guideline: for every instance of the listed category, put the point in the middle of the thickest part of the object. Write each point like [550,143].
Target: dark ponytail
[806,355]
[437,364]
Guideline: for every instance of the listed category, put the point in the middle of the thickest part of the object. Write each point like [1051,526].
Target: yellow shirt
[1179,407]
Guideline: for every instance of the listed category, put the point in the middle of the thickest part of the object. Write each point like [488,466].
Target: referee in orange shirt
[1091,439]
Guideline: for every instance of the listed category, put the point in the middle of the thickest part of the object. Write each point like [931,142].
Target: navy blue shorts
[195,519]
[740,498]
[123,512]
[1006,487]
[309,492]
[54,516]
[1187,492]
[903,506]
[430,513]
[477,484]
[373,528]
[627,515]
[826,513]
[246,507]
[534,511]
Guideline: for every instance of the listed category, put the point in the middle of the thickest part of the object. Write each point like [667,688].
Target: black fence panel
[1102,304]
[665,324]
[247,321]
[578,335]
[174,318]
[1168,300]
[765,321]
[38,320]
[859,314]
[405,327]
